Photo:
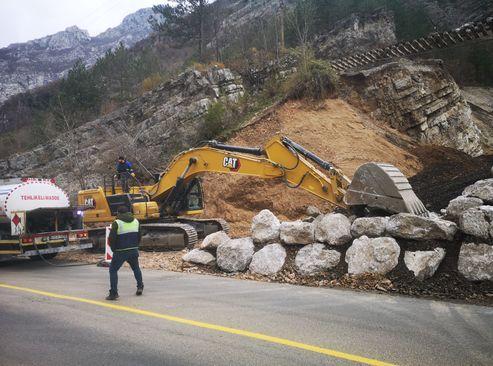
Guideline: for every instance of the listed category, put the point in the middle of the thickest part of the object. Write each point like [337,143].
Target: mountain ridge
[27,65]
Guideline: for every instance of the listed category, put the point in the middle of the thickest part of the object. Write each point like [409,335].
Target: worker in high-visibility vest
[124,241]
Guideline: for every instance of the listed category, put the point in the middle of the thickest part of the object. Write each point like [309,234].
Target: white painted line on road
[219,328]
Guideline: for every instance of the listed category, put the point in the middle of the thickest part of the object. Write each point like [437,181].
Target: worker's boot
[112,296]
[140,290]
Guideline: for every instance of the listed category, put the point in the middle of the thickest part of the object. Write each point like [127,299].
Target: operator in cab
[124,241]
[123,172]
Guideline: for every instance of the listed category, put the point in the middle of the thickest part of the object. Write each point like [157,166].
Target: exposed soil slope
[333,130]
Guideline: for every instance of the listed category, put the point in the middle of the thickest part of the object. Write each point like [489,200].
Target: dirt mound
[446,173]
[334,130]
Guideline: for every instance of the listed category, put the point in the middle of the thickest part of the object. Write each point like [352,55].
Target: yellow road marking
[219,328]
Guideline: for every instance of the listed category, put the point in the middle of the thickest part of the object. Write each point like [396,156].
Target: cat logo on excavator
[233,164]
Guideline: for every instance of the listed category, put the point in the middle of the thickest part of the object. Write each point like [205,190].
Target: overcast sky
[24,20]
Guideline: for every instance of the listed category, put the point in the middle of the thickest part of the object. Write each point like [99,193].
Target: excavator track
[161,236]
[481,30]
[155,236]
[205,227]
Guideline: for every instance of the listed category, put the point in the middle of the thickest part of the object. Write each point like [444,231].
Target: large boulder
[424,263]
[268,260]
[333,229]
[476,262]
[482,189]
[477,222]
[315,258]
[297,232]
[198,256]
[235,255]
[369,226]
[378,255]
[265,227]
[409,226]
[212,241]
[313,211]
[460,204]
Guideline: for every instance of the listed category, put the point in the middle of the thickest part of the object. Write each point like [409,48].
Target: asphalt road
[40,329]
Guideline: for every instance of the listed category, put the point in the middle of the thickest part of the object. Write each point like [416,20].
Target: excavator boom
[380,186]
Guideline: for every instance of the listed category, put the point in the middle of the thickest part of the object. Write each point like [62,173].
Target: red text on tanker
[40,198]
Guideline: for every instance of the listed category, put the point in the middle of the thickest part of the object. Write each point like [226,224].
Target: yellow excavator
[163,208]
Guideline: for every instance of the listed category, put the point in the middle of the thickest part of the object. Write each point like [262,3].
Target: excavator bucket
[383,186]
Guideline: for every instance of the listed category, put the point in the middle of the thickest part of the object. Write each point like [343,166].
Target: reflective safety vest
[127,235]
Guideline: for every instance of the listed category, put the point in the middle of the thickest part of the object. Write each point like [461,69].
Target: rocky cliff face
[24,66]
[357,33]
[454,13]
[241,12]
[421,99]
[151,128]
[481,102]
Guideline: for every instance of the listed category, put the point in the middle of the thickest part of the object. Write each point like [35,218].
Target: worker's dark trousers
[124,178]
[130,256]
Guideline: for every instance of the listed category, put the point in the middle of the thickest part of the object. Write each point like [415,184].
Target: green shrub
[315,80]
[271,88]
[214,121]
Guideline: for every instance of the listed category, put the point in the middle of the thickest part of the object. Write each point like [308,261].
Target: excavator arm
[284,159]
[275,161]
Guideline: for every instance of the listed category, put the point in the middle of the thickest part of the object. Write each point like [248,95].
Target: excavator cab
[193,201]
[186,198]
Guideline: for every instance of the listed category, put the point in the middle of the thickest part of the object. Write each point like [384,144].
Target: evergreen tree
[184,22]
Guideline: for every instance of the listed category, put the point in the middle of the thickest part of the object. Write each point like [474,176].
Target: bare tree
[218,38]
[301,19]
[282,12]
[73,149]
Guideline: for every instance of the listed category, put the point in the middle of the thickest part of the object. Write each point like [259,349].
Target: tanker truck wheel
[45,256]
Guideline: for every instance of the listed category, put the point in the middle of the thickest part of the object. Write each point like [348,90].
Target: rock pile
[235,255]
[476,261]
[369,245]
[482,189]
[266,228]
[477,222]
[369,226]
[198,256]
[268,260]
[333,229]
[474,213]
[424,263]
[297,232]
[214,240]
[315,258]
[409,226]
[377,255]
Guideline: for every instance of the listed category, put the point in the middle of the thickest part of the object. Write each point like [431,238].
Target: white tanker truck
[36,218]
